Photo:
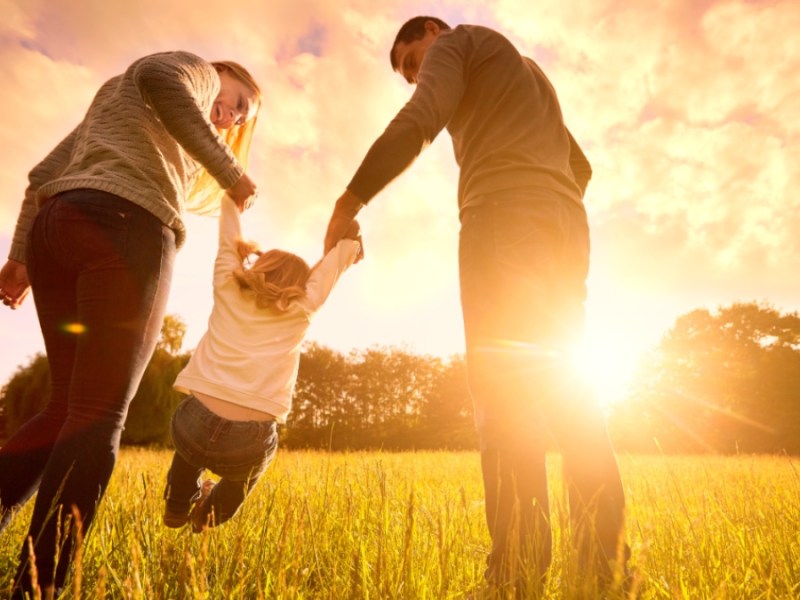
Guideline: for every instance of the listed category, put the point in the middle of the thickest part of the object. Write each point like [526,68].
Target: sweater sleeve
[50,168]
[181,89]
[230,230]
[327,272]
[440,87]
[581,169]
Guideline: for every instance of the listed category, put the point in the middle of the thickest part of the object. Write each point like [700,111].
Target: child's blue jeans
[238,451]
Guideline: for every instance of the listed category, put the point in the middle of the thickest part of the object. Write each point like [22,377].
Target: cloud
[686,114]
[18,22]
[44,100]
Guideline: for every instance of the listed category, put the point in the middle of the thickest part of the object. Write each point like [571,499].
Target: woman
[95,241]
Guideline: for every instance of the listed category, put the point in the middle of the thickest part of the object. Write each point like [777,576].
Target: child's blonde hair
[205,196]
[275,279]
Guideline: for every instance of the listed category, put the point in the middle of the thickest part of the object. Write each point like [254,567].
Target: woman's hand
[243,192]
[14,284]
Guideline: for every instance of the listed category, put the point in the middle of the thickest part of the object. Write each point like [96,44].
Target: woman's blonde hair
[275,279]
[205,196]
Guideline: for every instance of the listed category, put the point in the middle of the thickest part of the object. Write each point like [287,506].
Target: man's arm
[440,87]
[579,164]
[439,90]
[175,84]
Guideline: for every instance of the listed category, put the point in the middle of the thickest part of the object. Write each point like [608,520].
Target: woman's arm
[14,281]
[48,169]
[181,88]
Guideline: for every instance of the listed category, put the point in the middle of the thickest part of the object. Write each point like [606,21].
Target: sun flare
[608,365]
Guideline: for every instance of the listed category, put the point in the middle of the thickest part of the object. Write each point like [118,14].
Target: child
[241,376]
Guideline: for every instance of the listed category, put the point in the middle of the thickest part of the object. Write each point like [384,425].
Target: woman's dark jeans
[238,451]
[523,264]
[100,270]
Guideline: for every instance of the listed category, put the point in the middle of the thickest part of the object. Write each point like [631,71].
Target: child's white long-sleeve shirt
[250,356]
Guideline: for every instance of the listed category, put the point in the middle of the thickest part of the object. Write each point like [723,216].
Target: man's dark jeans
[100,270]
[523,265]
[238,451]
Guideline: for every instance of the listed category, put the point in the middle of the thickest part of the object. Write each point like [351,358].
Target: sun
[608,364]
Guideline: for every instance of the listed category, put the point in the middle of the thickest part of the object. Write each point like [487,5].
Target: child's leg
[183,488]
[242,451]
[224,501]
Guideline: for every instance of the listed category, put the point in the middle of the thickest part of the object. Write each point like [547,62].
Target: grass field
[410,525]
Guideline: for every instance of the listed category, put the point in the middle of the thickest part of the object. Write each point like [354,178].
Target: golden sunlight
[608,364]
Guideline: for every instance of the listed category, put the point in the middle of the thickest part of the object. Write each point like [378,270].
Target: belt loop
[221,426]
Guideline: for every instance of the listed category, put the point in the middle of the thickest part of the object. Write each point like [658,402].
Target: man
[523,260]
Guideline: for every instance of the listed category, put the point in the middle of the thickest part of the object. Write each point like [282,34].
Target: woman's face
[236,103]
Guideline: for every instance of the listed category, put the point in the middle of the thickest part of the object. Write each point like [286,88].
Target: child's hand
[354,233]
[243,192]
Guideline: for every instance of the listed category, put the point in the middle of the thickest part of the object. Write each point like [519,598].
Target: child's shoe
[175,519]
[199,516]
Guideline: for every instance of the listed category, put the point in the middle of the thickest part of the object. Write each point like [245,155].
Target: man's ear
[432,27]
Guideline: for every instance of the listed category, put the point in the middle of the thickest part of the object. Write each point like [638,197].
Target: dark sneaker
[175,520]
[200,517]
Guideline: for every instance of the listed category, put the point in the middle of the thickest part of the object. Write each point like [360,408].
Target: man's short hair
[413,29]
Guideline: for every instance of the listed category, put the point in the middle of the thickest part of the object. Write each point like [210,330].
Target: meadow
[411,525]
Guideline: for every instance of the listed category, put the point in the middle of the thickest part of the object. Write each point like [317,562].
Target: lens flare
[76,328]
[608,367]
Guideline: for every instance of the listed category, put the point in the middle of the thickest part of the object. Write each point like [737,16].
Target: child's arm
[327,271]
[230,230]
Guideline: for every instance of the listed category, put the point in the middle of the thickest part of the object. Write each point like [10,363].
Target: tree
[173,330]
[320,399]
[724,381]
[446,418]
[379,398]
[151,409]
[25,394]
[390,385]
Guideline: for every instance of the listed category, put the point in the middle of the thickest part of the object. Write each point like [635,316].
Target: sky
[683,107]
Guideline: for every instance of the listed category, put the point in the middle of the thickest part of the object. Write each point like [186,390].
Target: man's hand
[345,211]
[14,284]
[354,233]
[243,192]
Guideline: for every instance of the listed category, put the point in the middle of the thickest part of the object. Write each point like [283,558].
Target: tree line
[725,381]
[383,397]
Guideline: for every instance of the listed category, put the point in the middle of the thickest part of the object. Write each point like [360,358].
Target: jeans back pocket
[90,235]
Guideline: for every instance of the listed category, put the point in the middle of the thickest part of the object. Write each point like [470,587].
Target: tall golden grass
[411,525]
